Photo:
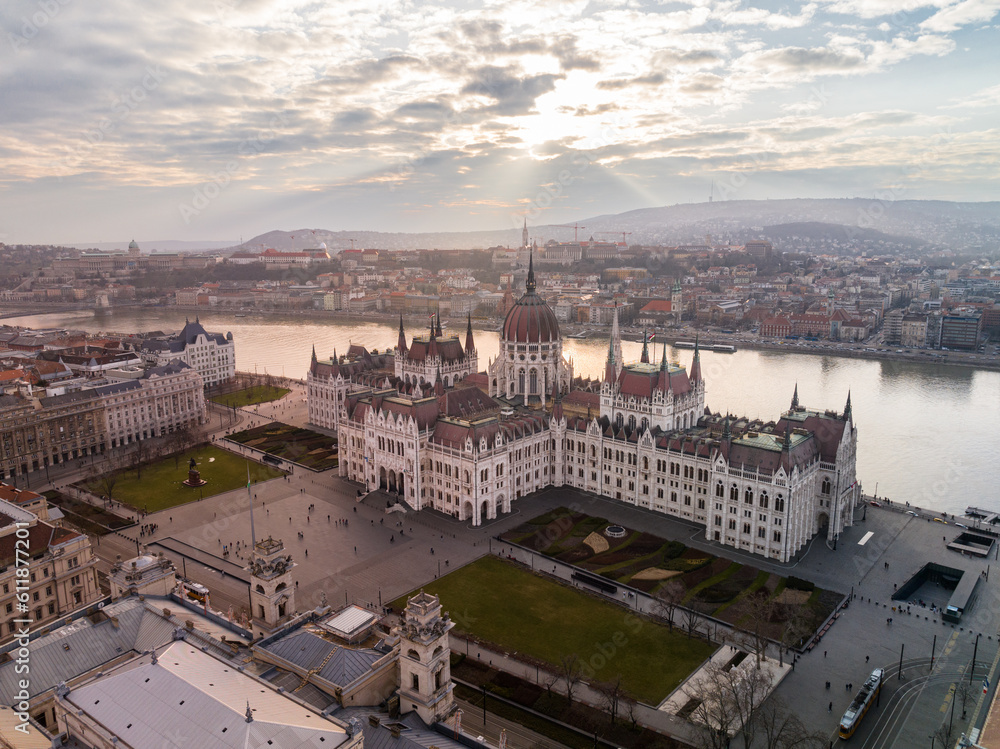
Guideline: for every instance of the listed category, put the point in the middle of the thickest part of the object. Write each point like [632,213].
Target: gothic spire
[696,362]
[727,433]
[795,397]
[557,409]
[847,408]
[529,285]
[314,353]
[616,342]
[401,343]
[470,344]
[610,372]
[663,381]
[645,348]
[788,435]
[438,383]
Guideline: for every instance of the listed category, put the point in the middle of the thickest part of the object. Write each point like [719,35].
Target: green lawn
[250,396]
[159,485]
[518,611]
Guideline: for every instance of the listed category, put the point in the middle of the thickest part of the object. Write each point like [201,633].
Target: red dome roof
[531,320]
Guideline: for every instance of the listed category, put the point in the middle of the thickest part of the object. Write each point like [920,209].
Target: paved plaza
[375,557]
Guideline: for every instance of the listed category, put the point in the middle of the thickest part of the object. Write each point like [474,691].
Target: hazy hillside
[900,224]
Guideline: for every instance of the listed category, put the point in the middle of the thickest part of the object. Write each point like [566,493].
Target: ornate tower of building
[676,300]
[524,234]
[425,659]
[616,343]
[272,592]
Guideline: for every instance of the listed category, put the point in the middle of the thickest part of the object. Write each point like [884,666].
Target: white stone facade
[212,355]
[164,400]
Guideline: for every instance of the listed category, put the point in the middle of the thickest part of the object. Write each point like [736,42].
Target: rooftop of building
[186,697]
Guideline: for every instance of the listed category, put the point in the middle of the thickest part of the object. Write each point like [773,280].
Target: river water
[927,434]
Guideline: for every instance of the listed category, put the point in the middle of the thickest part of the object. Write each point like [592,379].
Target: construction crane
[575,227]
[615,233]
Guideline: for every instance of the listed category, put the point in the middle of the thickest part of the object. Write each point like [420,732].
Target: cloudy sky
[212,119]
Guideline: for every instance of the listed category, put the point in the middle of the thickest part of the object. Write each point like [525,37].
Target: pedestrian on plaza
[824,654]
[829,709]
[866,658]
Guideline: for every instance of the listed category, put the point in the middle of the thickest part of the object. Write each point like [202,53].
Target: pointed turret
[616,342]
[529,285]
[727,433]
[524,234]
[788,436]
[470,344]
[438,383]
[696,363]
[440,333]
[314,354]
[610,373]
[847,408]
[663,382]
[795,397]
[557,409]
[645,348]
[401,343]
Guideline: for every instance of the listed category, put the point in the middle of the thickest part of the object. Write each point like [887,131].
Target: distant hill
[835,222]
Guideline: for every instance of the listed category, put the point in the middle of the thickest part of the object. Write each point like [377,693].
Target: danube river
[927,434]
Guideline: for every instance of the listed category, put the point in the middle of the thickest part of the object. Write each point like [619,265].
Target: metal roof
[341,665]
[189,698]
[350,620]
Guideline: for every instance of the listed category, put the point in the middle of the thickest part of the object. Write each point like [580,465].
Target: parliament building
[423,423]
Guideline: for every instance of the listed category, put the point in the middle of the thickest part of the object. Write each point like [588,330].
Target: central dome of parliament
[530,320]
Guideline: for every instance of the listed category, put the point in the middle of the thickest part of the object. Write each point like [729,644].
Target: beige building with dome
[475,446]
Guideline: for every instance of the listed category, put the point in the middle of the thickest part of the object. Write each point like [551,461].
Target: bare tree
[549,680]
[105,479]
[964,692]
[712,710]
[690,619]
[138,456]
[612,695]
[632,711]
[781,729]
[728,700]
[946,734]
[667,599]
[760,610]
[569,670]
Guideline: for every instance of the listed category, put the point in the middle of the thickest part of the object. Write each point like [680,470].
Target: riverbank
[812,348]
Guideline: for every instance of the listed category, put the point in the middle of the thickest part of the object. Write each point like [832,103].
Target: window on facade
[748,496]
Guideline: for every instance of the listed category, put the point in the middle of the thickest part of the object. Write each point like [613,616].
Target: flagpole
[253,535]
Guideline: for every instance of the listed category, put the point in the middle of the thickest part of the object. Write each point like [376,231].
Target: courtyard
[687,575]
[505,605]
[250,396]
[303,446]
[158,485]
